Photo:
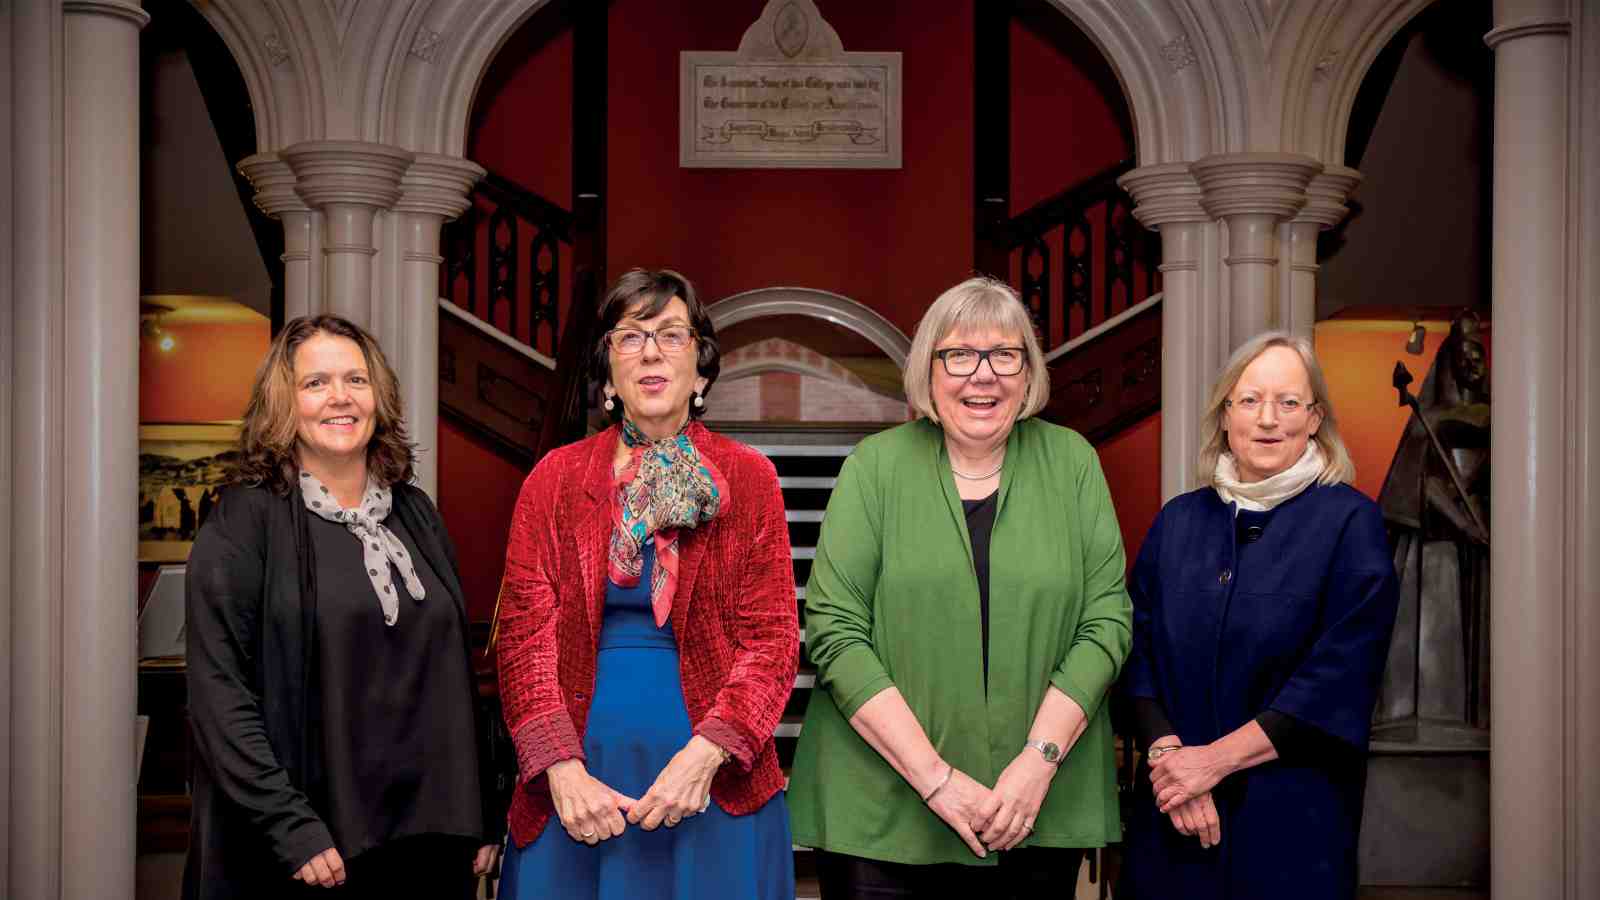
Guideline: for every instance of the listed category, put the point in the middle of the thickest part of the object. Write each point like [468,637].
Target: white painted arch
[801,301]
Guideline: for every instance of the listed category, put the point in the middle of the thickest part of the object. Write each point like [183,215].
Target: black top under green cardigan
[259,778]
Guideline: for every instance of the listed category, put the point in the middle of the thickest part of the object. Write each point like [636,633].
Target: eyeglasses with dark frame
[1288,407]
[631,341]
[961,362]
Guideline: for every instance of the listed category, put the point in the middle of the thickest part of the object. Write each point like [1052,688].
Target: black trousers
[1029,873]
[425,867]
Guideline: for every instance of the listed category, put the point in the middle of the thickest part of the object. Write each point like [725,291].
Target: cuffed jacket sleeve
[765,631]
[530,692]
[844,576]
[225,586]
[1104,633]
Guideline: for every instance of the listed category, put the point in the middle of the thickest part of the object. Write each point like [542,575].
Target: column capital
[118,9]
[1254,183]
[274,183]
[1166,193]
[1326,194]
[356,172]
[441,185]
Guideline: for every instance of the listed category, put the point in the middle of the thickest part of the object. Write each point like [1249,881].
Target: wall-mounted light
[1414,342]
[150,329]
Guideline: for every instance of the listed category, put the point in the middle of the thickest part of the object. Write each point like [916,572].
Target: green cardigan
[893,601]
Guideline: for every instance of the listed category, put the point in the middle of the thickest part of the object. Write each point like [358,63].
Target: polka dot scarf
[380,549]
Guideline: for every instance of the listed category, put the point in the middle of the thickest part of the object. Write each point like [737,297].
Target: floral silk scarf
[665,486]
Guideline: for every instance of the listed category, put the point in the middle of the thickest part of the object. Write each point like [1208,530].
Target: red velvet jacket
[734,616]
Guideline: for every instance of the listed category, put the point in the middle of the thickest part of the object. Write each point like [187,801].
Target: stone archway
[798,301]
[799,355]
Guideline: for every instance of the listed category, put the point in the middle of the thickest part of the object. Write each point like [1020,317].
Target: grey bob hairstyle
[974,305]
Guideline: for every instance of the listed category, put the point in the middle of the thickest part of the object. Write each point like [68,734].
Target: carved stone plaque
[790,97]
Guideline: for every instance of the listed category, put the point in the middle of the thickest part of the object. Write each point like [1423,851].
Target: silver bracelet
[949,770]
[1155,753]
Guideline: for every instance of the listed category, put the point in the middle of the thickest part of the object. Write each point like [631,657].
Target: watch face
[1051,752]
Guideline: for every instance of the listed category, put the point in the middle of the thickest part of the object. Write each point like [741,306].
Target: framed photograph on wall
[181,469]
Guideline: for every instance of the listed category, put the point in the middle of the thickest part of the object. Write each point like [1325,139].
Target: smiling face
[978,410]
[334,401]
[655,388]
[1266,442]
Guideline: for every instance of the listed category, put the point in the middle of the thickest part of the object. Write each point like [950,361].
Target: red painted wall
[477,493]
[1131,460]
[206,375]
[892,240]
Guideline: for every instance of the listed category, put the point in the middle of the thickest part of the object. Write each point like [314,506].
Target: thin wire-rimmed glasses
[960,362]
[1288,407]
[631,341]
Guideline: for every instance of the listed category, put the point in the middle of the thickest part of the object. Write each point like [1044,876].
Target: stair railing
[514,260]
[1079,258]
[503,261]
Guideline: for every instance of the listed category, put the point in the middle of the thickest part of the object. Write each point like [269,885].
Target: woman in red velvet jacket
[648,634]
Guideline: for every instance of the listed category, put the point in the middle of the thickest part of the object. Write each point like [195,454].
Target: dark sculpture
[1436,501]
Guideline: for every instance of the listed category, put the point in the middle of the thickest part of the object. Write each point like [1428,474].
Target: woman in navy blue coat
[1263,608]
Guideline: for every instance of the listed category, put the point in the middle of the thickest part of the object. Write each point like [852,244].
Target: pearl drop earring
[699,402]
[610,403]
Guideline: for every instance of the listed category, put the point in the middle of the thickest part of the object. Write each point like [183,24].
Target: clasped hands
[997,818]
[591,811]
[1181,779]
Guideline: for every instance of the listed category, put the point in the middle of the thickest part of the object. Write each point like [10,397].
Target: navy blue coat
[1289,610]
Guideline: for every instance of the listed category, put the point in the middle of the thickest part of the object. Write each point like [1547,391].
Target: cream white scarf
[1268,492]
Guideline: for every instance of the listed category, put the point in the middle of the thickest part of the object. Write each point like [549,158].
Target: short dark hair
[643,293]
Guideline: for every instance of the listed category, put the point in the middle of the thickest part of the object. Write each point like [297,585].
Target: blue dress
[637,723]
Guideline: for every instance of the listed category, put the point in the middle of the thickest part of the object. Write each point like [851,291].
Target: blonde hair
[1338,467]
[974,304]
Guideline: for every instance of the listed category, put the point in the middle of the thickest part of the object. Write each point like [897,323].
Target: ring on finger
[586,835]
[672,821]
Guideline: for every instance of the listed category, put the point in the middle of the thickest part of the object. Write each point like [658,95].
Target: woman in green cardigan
[966,613]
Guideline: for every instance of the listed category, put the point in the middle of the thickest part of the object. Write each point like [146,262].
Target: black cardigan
[251,640]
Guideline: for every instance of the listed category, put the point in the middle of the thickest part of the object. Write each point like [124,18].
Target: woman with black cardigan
[331,690]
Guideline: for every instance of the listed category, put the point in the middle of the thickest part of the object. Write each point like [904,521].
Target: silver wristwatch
[1047,749]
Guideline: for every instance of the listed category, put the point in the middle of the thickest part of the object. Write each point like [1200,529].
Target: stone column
[101,449]
[1324,208]
[274,182]
[1253,193]
[434,190]
[348,182]
[1533,751]
[33,654]
[1169,199]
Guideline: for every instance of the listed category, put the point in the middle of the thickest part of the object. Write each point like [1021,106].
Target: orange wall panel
[206,376]
[1358,358]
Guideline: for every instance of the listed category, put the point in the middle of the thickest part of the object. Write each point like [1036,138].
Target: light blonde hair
[974,304]
[1338,467]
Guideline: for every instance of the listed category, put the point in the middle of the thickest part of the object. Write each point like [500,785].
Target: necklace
[960,474]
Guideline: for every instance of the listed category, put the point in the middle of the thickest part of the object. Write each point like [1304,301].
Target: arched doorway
[803,359]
